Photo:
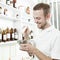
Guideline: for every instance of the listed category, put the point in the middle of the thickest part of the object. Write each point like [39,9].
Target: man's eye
[38,18]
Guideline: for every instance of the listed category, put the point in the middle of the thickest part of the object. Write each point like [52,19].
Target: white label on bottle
[8,35]
[4,37]
[0,36]
[12,35]
[16,36]
[8,2]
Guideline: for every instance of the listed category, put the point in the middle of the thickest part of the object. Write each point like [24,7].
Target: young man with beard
[48,44]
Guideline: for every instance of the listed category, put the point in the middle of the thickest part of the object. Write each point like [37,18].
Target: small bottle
[14,1]
[11,34]
[15,34]
[5,10]
[11,3]
[0,35]
[8,2]
[4,36]
[8,34]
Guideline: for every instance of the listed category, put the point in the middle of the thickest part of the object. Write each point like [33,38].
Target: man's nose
[36,20]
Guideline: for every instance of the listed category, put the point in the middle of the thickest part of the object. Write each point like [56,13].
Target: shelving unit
[8,49]
[10,46]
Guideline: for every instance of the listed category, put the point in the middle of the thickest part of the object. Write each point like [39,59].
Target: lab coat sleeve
[55,52]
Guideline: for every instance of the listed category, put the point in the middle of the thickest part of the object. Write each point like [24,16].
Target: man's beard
[42,26]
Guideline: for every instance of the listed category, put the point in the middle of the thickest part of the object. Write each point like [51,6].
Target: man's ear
[48,16]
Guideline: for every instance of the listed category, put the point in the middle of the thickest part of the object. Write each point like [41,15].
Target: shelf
[8,18]
[9,43]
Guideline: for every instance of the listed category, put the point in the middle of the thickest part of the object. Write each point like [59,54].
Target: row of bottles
[8,34]
[11,2]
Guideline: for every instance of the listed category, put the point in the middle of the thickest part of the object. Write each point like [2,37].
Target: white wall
[5,23]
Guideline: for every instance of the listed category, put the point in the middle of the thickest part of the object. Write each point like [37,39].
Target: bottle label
[12,35]
[8,35]
[4,37]
[0,36]
[8,2]
[16,36]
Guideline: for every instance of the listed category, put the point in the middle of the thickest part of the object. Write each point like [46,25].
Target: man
[47,47]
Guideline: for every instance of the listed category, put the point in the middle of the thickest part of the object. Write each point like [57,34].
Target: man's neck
[46,26]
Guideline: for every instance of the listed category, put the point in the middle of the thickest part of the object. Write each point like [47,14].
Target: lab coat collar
[48,29]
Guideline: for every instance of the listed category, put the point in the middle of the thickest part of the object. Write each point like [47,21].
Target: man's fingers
[24,47]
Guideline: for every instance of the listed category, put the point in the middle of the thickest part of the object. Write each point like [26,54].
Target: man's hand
[27,47]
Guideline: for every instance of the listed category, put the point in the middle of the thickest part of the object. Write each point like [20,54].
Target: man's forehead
[38,12]
[41,10]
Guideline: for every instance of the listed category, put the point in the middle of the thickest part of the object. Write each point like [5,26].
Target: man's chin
[39,27]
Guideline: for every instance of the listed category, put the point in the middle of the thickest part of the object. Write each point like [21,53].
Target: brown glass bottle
[0,35]
[5,10]
[14,1]
[11,34]
[4,36]
[7,34]
[15,34]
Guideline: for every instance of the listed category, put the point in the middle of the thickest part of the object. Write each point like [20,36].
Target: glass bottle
[15,34]
[4,36]
[14,1]
[8,2]
[11,34]
[8,34]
